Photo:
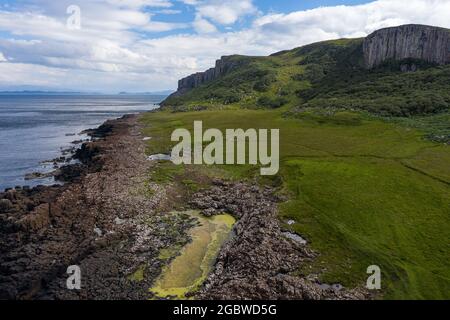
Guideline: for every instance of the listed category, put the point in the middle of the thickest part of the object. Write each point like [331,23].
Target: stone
[119,221]
[5,205]
[98,232]
[295,237]
[431,44]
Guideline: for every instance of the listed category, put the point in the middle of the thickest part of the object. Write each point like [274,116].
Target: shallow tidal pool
[190,268]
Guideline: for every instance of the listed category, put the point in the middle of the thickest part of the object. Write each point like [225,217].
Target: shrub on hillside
[273,103]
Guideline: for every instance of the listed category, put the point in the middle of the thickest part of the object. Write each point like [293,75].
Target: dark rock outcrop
[430,44]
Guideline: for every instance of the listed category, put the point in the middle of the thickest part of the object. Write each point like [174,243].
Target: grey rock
[119,221]
[295,237]
[426,43]
[98,232]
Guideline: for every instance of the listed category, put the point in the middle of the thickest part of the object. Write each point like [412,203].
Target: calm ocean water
[35,128]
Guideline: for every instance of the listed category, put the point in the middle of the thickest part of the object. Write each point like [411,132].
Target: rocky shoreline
[99,220]
[112,221]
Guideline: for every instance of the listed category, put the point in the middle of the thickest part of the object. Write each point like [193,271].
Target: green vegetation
[258,79]
[362,190]
[166,172]
[138,275]
[324,75]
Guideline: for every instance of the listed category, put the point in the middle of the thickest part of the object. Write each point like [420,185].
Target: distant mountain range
[153,93]
[25,92]
[38,92]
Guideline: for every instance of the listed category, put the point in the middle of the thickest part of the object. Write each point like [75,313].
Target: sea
[36,128]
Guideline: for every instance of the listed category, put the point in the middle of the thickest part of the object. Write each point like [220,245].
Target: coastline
[94,220]
[113,221]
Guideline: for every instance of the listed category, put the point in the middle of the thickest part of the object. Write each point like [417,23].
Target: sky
[147,45]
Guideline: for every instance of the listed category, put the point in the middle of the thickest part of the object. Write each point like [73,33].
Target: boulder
[5,205]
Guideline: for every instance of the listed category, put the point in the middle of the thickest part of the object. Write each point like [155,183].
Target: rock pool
[190,268]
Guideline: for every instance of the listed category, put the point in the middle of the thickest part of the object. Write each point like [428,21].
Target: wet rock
[87,152]
[69,172]
[41,175]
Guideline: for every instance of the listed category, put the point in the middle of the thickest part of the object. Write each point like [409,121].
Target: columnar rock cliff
[427,43]
[223,66]
[431,44]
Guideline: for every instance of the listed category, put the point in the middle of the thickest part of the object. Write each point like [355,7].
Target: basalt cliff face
[223,66]
[426,43]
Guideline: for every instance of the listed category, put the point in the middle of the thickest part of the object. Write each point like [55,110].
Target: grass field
[363,191]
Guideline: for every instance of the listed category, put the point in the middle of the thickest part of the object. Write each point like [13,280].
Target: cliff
[223,66]
[431,44]
[332,74]
[426,43]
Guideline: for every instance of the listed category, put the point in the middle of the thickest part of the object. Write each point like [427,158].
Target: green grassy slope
[327,75]
[362,191]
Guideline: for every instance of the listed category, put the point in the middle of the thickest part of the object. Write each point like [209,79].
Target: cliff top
[408,26]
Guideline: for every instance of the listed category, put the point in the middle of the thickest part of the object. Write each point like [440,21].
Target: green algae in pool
[187,272]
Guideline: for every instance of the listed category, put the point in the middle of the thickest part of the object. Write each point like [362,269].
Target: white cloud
[203,26]
[226,12]
[348,21]
[111,53]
